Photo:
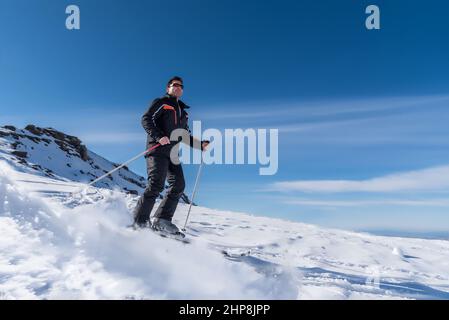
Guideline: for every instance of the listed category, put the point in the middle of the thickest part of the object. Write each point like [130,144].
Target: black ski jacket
[165,115]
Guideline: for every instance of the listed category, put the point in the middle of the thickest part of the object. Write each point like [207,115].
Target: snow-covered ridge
[54,154]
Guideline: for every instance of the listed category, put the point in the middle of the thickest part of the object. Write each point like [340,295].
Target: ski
[178,236]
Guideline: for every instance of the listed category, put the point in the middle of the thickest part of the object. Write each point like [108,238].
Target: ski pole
[119,167]
[193,193]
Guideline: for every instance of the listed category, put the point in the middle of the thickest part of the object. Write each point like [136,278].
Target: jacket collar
[181,104]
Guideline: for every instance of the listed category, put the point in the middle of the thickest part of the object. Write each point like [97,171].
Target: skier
[164,115]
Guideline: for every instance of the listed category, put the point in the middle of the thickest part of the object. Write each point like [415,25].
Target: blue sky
[358,111]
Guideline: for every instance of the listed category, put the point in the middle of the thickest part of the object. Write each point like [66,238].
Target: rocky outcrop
[140,184]
[65,142]
[20,154]
[12,128]
[18,145]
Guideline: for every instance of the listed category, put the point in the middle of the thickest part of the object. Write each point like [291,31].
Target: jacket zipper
[179,113]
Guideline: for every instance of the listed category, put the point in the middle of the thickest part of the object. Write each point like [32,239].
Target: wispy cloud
[112,137]
[431,179]
[324,109]
[364,203]
[411,121]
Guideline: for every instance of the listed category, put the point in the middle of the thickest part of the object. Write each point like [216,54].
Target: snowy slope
[51,153]
[55,245]
[48,152]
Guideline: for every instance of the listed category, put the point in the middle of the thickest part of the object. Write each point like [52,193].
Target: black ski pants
[160,168]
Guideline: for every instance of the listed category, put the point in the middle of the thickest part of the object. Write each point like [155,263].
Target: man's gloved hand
[204,144]
[164,141]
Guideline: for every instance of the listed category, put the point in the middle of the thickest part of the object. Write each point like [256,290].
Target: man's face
[175,88]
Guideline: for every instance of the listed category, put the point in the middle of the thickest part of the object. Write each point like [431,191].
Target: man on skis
[164,115]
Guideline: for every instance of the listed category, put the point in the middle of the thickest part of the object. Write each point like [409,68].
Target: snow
[59,245]
[61,240]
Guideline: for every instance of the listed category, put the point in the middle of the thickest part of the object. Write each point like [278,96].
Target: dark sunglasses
[178,85]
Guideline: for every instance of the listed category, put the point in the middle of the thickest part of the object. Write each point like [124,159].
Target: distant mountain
[54,154]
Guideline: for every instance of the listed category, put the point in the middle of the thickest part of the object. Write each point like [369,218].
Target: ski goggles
[178,85]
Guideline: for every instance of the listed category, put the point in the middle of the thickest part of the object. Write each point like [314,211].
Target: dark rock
[82,150]
[15,144]
[62,145]
[74,141]
[58,135]
[186,199]
[34,139]
[134,192]
[34,130]
[20,154]
[131,180]
[12,128]
[36,167]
